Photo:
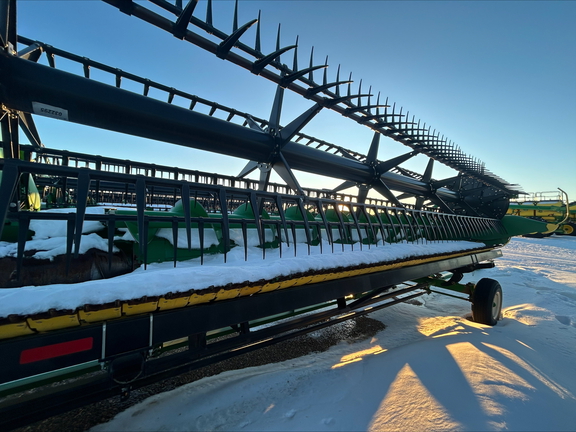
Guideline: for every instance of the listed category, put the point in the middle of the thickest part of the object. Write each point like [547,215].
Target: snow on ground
[430,369]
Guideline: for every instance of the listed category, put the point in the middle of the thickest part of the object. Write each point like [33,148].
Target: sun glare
[409,405]
[445,326]
[490,379]
[358,356]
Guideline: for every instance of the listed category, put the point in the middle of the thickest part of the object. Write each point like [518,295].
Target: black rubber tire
[487,302]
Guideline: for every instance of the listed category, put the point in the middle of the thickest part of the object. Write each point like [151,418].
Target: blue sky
[496,78]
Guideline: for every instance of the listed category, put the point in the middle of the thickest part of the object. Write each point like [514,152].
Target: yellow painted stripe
[225,294]
[53,323]
[172,303]
[270,286]
[13,330]
[100,315]
[250,290]
[136,309]
[32,325]
[287,284]
[201,298]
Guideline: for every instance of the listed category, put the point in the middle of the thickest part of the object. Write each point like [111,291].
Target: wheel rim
[568,229]
[496,305]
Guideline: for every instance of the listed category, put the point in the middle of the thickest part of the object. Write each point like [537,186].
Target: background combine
[550,207]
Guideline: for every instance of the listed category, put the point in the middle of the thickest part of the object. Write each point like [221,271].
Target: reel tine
[69,240]
[278,43]
[337,89]
[245,239]
[187,216]
[175,238]
[201,240]
[24,224]
[369,97]
[349,93]
[235,19]
[310,74]
[111,222]
[81,203]
[295,61]
[257,43]
[209,13]
[140,206]
[179,28]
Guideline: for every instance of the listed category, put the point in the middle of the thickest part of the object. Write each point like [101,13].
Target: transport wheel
[569,228]
[487,302]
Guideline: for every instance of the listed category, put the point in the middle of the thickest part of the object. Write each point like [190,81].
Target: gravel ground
[82,419]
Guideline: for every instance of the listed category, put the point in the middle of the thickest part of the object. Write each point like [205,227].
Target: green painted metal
[48,378]
[516,226]
[443,281]
[245,211]
[160,249]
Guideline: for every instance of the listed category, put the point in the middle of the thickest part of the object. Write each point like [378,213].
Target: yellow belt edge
[80,316]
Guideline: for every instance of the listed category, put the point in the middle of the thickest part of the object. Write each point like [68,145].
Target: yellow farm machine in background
[552,207]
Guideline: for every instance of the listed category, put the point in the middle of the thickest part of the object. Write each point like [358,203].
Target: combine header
[108,263]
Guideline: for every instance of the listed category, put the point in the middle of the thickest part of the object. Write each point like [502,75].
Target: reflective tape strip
[56,350]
